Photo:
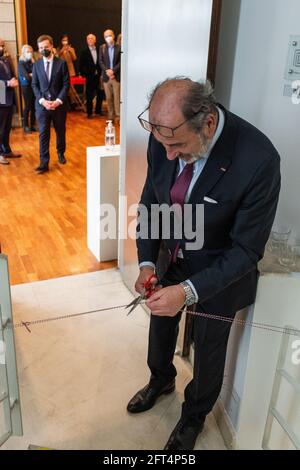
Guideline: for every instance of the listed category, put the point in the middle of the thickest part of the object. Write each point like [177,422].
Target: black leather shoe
[61,159]
[145,399]
[12,155]
[41,169]
[184,436]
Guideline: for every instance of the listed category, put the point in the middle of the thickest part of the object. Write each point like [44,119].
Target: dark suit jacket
[224,272]
[59,83]
[105,63]
[87,66]
[6,73]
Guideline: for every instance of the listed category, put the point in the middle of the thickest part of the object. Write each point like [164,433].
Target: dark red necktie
[178,194]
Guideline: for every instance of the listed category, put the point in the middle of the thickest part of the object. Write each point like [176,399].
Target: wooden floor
[43,217]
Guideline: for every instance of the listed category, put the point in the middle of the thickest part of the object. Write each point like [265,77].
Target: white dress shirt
[94,54]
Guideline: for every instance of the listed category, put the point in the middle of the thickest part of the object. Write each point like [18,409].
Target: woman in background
[25,76]
[66,52]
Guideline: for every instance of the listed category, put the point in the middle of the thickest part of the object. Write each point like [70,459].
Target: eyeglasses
[164,131]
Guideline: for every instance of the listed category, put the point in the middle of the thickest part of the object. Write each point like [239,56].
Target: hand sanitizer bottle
[110,136]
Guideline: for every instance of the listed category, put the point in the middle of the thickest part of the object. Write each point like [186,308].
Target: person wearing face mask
[50,83]
[66,52]
[25,66]
[110,62]
[7,102]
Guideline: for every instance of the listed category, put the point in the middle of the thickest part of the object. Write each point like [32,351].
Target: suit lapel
[107,57]
[115,54]
[42,69]
[165,179]
[54,69]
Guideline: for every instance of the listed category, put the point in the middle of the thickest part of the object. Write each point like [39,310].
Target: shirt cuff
[147,263]
[193,289]
[41,100]
[60,101]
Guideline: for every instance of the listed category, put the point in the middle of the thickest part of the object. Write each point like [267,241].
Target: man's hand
[145,273]
[167,302]
[110,73]
[13,83]
[47,104]
[54,104]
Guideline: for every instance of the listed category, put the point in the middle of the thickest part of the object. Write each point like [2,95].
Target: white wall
[256,91]
[250,80]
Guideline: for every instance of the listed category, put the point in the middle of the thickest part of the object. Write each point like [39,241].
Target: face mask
[28,55]
[109,39]
[1,51]
[46,52]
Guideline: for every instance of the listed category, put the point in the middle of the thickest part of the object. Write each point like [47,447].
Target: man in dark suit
[8,83]
[50,83]
[201,154]
[89,67]
[110,62]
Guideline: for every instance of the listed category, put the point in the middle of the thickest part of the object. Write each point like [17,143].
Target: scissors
[148,290]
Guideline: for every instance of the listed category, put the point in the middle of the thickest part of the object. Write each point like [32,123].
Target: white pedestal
[102,188]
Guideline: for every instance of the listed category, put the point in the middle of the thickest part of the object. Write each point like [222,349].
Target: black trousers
[6,115]
[58,117]
[93,89]
[210,339]
[29,108]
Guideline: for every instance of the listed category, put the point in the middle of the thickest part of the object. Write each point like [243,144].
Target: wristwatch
[190,298]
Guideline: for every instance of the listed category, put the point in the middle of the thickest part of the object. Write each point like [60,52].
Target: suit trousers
[210,338]
[29,108]
[112,93]
[45,117]
[93,89]
[6,115]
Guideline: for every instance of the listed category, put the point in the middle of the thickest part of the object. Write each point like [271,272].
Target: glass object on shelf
[290,255]
[285,255]
[295,254]
[278,240]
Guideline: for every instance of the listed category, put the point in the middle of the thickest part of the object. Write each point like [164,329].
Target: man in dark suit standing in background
[8,83]
[89,67]
[110,62]
[201,154]
[50,83]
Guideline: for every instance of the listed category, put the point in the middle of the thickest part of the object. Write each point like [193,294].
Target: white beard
[205,143]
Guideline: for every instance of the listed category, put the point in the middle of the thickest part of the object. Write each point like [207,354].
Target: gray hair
[196,104]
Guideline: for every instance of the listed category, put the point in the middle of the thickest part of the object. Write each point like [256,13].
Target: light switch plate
[292,71]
